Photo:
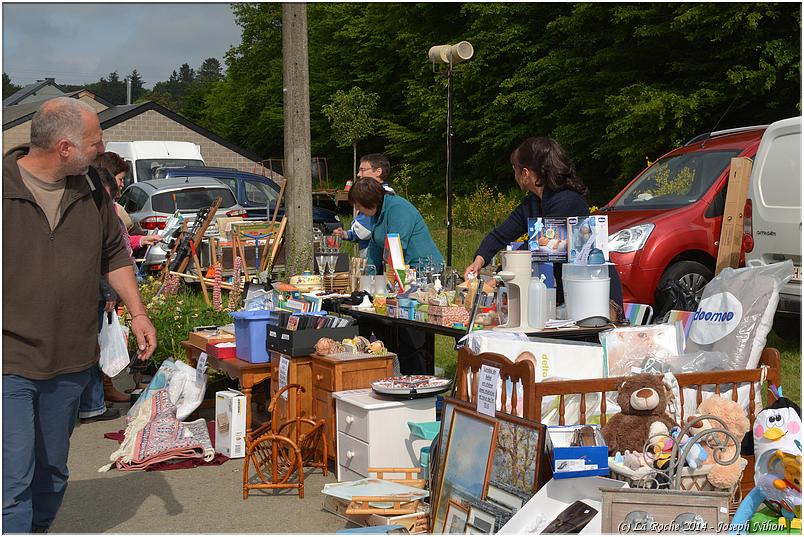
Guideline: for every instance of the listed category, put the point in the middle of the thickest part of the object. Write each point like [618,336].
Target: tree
[352,115]
[186,74]
[137,88]
[9,88]
[210,71]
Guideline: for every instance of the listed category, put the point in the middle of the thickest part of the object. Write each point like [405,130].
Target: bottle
[537,302]
[546,270]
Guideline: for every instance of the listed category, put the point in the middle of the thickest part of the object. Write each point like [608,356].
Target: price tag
[487,389]
[200,367]
[284,366]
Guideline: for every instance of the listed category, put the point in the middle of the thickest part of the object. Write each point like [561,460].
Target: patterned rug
[154,435]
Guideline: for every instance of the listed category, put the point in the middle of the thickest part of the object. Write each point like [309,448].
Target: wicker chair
[280,450]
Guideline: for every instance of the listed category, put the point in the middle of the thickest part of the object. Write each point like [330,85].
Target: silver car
[151,203]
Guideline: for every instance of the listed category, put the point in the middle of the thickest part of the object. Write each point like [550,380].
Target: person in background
[54,253]
[393,214]
[374,166]
[544,170]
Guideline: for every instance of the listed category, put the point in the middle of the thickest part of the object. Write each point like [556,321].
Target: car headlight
[630,239]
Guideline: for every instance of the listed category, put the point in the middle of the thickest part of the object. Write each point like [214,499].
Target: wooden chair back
[519,373]
[769,369]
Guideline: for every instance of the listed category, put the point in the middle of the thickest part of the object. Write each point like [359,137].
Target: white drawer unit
[373,431]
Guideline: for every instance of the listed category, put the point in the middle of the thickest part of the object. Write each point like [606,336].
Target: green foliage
[8,87]
[351,114]
[484,208]
[174,316]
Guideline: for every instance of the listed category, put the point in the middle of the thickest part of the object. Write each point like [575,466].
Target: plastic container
[550,282]
[586,290]
[537,303]
[251,333]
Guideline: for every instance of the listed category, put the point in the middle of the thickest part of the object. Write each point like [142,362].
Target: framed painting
[467,462]
[518,453]
[456,518]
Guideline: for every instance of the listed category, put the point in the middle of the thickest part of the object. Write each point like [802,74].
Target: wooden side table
[247,373]
[339,372]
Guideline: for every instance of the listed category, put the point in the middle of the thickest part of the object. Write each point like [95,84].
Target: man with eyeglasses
[374,166]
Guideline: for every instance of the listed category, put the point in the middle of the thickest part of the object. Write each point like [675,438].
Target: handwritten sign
[487,389]
[284,367]
[200,367]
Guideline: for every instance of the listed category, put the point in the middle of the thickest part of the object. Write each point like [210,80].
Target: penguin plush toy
[777,447]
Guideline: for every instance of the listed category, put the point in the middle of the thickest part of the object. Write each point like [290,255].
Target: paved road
[207,499]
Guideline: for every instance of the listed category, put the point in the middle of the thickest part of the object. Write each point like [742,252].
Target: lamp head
[453,54]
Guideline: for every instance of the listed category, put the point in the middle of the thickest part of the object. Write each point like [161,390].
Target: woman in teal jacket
[393,214]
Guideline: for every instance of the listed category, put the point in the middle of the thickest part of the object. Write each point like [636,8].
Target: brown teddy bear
[733,416]
[643,402]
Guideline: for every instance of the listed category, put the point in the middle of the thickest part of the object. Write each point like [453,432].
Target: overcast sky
[79,43]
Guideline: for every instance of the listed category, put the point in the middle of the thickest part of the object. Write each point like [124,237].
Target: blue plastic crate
[250,333]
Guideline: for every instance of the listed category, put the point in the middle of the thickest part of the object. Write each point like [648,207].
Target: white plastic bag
[113,345]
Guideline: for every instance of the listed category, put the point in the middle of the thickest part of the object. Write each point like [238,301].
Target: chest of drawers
[372,432]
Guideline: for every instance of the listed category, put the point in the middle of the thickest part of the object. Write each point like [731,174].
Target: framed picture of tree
[518,453]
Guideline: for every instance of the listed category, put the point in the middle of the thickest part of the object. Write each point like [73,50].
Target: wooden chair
[768,370]
[520,373]
[280,450]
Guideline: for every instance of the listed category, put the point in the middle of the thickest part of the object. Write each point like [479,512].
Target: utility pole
[297,168]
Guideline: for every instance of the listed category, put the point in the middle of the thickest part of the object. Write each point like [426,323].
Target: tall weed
[484,208]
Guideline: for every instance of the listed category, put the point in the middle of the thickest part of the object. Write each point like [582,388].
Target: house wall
[19,134]
[151,125]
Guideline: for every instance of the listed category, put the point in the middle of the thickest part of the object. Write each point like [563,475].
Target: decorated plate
[411,384]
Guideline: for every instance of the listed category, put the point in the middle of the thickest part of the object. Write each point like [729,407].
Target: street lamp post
[449,55]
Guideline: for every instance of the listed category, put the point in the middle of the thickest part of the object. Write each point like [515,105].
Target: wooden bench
[534,393]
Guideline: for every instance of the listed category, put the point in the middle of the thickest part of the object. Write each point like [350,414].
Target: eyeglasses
[365,169]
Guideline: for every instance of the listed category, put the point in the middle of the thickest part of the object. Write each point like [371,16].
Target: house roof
[17,114]
[118,114]
[77,94]
[22,93]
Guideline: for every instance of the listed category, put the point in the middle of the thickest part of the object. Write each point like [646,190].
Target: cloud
[79,43]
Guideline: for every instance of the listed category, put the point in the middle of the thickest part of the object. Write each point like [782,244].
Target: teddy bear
[736,422]
[643,401]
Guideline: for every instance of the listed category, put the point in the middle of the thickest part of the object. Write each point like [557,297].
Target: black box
[302,342]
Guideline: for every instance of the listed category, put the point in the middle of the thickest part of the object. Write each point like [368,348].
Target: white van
[773,214]
[146,157]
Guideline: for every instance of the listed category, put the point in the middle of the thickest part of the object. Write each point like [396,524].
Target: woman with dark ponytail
[543,169]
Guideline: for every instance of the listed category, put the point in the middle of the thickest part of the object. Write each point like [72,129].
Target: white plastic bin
[586,290]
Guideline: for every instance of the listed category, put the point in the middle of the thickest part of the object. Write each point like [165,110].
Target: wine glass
[332,260]
[321,260]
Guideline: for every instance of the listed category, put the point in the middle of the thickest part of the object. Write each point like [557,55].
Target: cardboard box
[224,350]
[575,461]
[586,233]
[447,315]
[230,423]
[547,239]
[202,338]
[302,342]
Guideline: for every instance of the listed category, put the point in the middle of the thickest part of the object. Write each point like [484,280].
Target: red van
[665,224]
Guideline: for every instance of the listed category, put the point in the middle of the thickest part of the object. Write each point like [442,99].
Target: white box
[230,423]
[556,496]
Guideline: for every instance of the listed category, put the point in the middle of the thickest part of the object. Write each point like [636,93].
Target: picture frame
[506,496]
[519,454]
[471,530]
[487,517]
[467,460]
[455,521]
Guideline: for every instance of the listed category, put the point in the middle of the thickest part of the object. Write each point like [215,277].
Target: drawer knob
[350,420]
[319,377]
[350,454]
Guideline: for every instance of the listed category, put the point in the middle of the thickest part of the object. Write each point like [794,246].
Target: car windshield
[675,181]
[147,168]
[191,199]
